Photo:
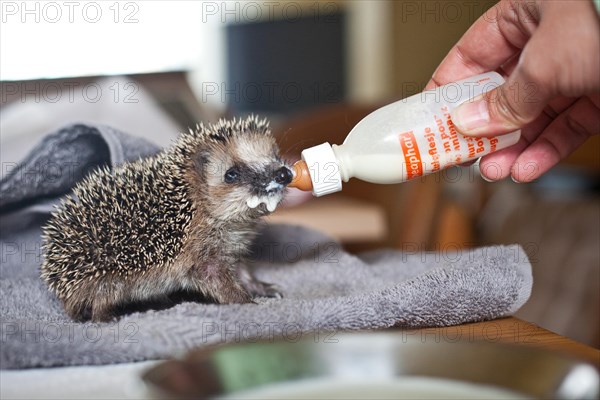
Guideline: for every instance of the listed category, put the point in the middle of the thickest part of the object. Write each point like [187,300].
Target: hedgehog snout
[271,190]
[277,181]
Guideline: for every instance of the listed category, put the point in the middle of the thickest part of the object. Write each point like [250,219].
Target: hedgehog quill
[179,221]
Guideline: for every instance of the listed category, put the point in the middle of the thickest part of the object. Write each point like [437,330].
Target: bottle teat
[301,179]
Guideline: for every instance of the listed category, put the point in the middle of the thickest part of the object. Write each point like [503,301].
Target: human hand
[549,54]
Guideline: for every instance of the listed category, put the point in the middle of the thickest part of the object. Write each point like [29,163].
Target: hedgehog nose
[283,176]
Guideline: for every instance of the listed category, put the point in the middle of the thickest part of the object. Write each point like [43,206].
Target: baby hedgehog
[180,221]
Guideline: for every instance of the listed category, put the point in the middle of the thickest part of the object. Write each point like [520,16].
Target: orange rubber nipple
[301,178]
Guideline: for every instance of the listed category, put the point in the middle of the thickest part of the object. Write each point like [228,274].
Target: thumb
[504,109]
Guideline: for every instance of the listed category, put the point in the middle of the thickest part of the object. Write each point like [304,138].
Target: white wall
[56,39]
[370,50]
[62,39]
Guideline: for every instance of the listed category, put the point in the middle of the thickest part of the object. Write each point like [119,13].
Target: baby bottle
[401,141]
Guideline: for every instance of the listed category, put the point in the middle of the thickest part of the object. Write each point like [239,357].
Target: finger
[493,39]
[565,134]
[498,165]
[509,66]
[504,109]
[538,76]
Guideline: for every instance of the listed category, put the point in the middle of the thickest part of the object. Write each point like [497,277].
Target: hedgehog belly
[119,223]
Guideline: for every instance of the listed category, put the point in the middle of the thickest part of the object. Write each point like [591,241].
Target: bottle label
[412,155]
[437,146]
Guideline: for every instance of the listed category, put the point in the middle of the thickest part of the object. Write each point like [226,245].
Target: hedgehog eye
[232,175]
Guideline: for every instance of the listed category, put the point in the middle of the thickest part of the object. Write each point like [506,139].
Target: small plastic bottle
[401,141]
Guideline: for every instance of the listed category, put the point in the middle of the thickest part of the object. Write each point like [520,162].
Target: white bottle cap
[323,169]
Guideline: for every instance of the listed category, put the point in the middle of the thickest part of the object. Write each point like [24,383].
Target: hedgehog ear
[201,163]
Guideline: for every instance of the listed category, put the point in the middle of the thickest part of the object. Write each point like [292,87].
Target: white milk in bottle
[402,141]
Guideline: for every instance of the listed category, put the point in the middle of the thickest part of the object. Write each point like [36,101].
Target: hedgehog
[180,221]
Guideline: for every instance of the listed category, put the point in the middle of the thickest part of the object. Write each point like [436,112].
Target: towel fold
[325,288]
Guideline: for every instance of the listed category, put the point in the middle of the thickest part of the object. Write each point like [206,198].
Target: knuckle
[576,127]
[534,69]
[503,108]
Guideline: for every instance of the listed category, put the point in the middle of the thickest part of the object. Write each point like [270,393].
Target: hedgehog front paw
[264,289]
[96,310]
[234,295]
[256,287]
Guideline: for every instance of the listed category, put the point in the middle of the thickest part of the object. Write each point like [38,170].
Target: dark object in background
[285,66]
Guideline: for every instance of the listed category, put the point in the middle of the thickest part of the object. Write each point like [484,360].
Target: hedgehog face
[245,177]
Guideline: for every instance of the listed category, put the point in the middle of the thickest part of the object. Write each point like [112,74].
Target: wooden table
[510,330]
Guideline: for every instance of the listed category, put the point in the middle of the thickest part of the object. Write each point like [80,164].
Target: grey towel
[325,288]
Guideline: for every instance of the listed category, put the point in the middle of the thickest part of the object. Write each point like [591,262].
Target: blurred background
[154,68]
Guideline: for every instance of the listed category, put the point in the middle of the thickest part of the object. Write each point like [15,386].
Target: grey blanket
[325,288]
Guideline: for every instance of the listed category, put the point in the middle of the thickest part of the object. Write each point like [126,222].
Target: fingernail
[485,178]
[471,116]
[514,179]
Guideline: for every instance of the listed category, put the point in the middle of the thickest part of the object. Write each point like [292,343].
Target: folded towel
[325,288]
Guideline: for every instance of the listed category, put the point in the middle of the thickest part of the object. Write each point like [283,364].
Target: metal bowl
[373,365]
